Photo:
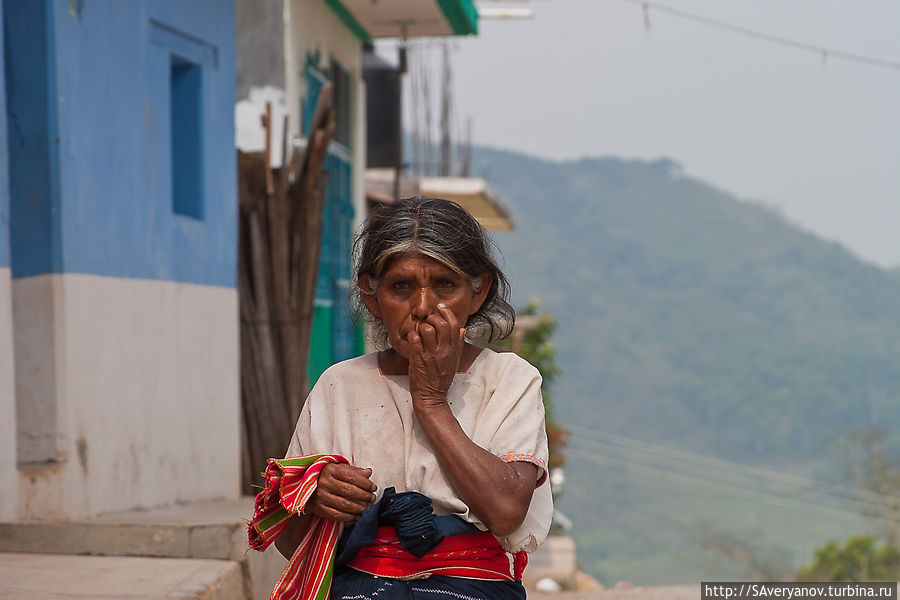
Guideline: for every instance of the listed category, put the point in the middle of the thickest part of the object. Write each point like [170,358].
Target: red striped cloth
[476,555]
[289,484]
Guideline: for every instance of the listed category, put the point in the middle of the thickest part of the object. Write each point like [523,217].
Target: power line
[657,474]
[697,483]
[822,51]
[743,474]
[687,461]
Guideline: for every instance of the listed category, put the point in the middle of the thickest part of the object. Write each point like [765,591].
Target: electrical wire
[697,483]
[822,51]
[740,476]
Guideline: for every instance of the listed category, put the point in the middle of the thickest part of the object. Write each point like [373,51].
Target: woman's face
[410,290]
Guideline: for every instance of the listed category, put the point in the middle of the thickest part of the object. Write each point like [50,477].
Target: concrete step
[53,576]
[212,532]
[212,529]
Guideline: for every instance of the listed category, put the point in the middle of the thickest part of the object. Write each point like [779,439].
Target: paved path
[79,577]
[679,592]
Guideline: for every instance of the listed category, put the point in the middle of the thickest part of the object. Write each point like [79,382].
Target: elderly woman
[445,490]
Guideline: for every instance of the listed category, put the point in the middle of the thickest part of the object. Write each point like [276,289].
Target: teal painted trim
[462,16]
[321,344]
[349,20]
[359,338]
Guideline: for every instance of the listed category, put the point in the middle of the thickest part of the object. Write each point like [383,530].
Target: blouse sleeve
[521,434]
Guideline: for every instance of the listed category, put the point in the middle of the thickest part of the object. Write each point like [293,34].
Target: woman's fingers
[415,340]
[343,492]
[429,335]
[350,474]
[436,349]
[450,318]
[445,326]
[331,506]
[348,481]
[442,329]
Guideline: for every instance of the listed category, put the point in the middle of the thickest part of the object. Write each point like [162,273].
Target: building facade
[9,476]
[118,305]
[324,41]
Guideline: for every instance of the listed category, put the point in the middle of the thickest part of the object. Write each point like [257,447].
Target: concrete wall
[556,559]
[149,373]
[124,306]
[8,475]
[259,45]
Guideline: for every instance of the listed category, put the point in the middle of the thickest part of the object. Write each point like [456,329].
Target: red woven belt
[473,555]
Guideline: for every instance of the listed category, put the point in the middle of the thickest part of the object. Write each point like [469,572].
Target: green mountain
[690,319]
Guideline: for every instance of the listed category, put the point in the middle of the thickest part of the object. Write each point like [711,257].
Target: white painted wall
[9,482]
[147,375]
[249,131]
[40,393]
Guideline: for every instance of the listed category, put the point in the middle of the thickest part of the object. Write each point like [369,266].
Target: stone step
[212,531]
[35,576]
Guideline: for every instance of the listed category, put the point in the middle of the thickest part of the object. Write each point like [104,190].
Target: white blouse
[356,412]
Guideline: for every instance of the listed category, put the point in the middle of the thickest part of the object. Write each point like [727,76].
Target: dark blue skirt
[350,584]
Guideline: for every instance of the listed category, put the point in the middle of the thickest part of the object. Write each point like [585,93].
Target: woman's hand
[436,349]
[499,493]
[343,493]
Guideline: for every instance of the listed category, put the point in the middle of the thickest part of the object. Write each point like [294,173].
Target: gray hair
[442,230]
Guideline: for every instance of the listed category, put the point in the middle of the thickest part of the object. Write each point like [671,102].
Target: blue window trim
[186,136]
[186,115]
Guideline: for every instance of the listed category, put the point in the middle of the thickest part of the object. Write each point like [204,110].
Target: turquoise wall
[332,338]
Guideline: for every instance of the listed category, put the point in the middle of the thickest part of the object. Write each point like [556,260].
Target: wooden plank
[280,235]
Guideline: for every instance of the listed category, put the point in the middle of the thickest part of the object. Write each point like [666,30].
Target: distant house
[118,328]
[473,194]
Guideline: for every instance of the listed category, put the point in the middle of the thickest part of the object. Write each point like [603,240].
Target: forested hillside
[690,319]
[688,316]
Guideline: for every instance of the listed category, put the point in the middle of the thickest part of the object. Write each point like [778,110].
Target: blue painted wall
[31,121]
[101,142]
[4,167]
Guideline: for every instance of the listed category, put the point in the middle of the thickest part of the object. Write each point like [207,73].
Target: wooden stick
[267,123]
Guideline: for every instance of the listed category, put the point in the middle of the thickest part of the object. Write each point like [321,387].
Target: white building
[118,306]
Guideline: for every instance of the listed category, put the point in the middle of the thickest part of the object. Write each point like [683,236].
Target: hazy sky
[818,139]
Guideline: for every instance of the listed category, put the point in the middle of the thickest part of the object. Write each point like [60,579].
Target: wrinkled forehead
[412,257]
